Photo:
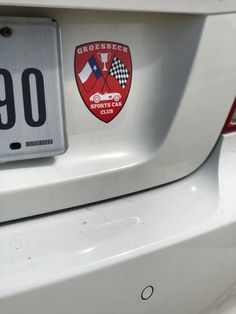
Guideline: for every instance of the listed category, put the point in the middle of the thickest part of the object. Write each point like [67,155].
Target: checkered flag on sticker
[119,71]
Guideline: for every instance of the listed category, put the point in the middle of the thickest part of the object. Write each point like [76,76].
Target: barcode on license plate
[38,143]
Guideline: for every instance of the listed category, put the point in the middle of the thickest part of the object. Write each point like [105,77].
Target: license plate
[31,91]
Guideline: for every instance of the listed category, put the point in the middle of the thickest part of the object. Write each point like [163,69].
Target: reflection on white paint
[87,250]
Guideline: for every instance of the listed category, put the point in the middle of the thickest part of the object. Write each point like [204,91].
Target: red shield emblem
[103,72]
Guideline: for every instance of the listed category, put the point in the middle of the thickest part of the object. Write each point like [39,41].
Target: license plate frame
[32,114]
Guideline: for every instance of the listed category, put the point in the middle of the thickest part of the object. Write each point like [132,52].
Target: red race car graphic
[103,72]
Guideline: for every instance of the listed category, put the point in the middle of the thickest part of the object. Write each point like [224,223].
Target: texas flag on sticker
[103,72]
[90,74]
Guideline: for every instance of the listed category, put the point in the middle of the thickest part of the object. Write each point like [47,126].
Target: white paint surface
[181,239]
[184,78]
[177,6]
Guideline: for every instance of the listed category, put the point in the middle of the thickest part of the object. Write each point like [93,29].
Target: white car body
[170,247]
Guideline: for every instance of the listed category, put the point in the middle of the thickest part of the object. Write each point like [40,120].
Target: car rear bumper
[179,238]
